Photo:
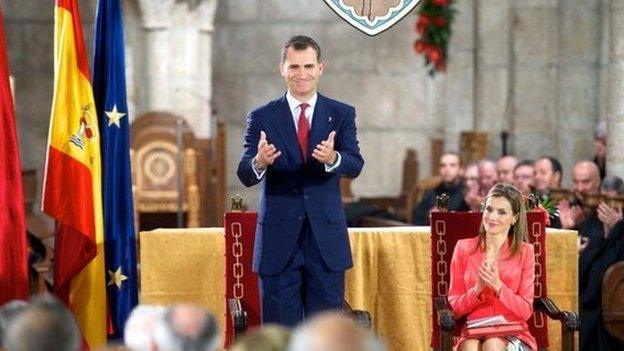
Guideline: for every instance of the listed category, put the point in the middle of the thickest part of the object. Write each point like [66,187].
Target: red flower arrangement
[434,27]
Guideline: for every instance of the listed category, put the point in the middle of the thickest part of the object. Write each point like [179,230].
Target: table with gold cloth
[389,278]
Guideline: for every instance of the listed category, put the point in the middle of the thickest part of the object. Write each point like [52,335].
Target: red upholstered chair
[449,227]
[242,294]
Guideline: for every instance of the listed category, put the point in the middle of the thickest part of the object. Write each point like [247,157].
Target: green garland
[434,27]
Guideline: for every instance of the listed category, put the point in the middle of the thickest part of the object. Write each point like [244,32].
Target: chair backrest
[155,166]
[612,304]
[449,227]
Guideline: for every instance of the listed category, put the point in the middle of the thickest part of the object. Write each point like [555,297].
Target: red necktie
[302,131]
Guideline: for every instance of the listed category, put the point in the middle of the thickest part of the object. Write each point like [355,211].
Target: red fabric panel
[241,282]
[536,223]
[446,229]
[13,247]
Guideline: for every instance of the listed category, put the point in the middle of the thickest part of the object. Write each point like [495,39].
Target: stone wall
[537,68]
[397,105]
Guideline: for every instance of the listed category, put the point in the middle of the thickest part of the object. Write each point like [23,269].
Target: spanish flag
[72,185]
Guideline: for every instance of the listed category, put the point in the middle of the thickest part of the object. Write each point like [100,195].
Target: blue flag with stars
[109,89]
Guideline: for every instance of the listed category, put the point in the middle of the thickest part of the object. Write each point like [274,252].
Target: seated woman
[493,273]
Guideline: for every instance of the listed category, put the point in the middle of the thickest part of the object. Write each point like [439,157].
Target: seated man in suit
[450,166]
[604,230]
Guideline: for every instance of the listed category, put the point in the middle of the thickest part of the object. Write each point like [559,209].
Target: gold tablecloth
[390,277]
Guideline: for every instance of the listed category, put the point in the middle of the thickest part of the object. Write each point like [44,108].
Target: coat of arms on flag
[372,16]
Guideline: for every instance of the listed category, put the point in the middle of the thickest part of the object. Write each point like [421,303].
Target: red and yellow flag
[72,185]
[13,252]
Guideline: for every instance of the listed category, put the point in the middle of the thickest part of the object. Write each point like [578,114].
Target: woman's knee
[494,344]
[470,345]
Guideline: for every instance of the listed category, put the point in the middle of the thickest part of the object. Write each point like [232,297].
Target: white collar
[293,103]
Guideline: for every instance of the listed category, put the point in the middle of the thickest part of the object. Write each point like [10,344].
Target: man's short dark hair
[523,163]
[555,165]
[452,153]
[44,325]
[612,183]
[301,42]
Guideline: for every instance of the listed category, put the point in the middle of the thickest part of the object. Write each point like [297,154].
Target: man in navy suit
[298,147]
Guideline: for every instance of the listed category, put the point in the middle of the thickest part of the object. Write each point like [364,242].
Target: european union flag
[109,89]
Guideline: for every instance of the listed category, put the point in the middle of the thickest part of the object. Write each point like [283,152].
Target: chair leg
[446,340]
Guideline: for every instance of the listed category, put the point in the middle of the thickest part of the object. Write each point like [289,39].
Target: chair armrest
[239,316]
[362,318]
[446,317]
[569,320]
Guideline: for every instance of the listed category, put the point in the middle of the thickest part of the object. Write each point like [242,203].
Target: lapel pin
[329,119]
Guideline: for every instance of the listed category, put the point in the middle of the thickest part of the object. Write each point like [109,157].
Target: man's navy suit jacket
[292,189]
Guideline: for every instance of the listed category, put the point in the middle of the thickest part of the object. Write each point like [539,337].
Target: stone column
[533,60]
[492,72]
[615,99]
[577,81]
[203,80]
[156,23]
[458,80]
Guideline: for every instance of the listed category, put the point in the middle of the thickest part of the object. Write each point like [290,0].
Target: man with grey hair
[505,168]
[8,312]
[187,327]
[139,330]
[333,331]
[45,325]
[487,175]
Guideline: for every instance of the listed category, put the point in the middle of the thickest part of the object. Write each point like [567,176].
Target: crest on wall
[372,16]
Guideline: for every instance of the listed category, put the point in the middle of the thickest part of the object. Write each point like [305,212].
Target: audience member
[45,325]
[600,147]
[605,246]
[523,177]
[505,167]
[333,331]
[487,175]
[450,166]
[478,289]
[187,327]
[271,337]
[139,330]
[8,312]
[472,196]
[586,180]
[548,175]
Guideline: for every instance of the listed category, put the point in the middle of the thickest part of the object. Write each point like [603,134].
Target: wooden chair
[449,227]
[612,302]
[155,162]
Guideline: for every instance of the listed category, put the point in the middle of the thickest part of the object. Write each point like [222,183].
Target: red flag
[13,251]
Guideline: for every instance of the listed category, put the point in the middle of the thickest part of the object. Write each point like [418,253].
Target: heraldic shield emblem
[372,16]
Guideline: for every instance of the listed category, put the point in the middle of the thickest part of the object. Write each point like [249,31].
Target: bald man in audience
[139,329]
[487,176]
[44,325]
[505,168]
[586,180]
[333,331]
[523,177]
[187,327]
